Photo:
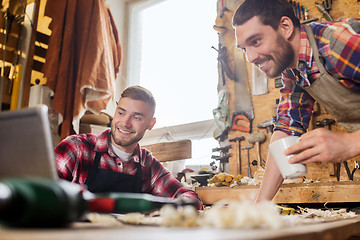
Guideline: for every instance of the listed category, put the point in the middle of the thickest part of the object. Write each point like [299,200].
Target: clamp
[350,174]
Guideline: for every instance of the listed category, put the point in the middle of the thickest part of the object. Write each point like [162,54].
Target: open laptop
[26,148]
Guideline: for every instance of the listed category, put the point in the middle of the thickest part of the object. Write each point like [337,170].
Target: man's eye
[255,42]
[137,118]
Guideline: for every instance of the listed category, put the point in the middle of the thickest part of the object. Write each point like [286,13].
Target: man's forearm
[272,179]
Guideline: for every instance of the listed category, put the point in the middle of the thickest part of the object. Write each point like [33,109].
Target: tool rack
[325,182]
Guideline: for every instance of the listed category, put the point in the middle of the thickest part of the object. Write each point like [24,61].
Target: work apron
[341,102]
[103,180]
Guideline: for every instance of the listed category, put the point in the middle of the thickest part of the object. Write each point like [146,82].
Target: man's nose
[127,121]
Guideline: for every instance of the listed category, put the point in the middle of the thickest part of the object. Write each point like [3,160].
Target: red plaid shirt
[76,153]
[339,46]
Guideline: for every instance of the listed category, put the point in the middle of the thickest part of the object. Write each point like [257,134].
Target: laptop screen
[26,148]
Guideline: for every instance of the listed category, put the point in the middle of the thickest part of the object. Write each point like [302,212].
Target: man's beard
[283,57]
[128,142]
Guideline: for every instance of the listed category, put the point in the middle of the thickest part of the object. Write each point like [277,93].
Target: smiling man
[114,161]
[317,62]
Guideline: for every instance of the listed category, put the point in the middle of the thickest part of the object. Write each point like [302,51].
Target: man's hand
[321,145]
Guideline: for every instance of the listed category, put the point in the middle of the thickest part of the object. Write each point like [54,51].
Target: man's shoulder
[323,28]
[84,138]
[147,155]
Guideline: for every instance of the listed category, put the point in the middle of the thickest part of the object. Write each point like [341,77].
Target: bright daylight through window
[174,59]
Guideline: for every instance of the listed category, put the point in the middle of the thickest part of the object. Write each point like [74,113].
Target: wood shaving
[104,219]
[139,219]
[250,181]
[244,215]
[318,215]
[183,216]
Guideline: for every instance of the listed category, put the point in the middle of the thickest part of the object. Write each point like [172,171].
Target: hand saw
[243,109]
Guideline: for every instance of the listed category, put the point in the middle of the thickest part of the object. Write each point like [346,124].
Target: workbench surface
[294,193]
[337,230]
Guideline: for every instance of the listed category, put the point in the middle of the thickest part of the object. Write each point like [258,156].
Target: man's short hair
[139,93]
[269,11]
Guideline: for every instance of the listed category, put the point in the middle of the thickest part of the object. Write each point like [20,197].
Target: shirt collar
[305,51]
[102,143]
[299,74]
[137,155]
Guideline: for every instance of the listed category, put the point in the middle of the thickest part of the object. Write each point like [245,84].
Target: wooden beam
[322,192]
[170,151]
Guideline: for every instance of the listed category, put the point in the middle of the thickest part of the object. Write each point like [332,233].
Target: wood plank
[170,151]
[331,192]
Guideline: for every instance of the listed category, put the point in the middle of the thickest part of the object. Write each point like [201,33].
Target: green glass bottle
[34,202]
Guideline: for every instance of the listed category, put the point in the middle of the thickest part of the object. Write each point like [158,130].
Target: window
[170,53]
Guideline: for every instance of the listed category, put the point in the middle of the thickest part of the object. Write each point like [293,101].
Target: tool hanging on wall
[238,146]
[324,8]
[302,13]
[12,24]
[223,157]
[243,114]
[268,125]
[257,138]
[221,113]
[247,148]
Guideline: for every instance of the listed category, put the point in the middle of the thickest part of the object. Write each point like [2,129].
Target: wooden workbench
[322,192]
[338,230]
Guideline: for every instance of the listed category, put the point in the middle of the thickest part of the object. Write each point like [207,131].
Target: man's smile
[262,64]
[125,131]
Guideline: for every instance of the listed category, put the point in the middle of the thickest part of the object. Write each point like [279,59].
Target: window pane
[177,62]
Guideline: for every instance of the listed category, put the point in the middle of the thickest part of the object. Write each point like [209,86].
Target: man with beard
[319,62]
[114,161]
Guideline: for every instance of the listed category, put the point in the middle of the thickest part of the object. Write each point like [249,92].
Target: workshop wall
[264,105]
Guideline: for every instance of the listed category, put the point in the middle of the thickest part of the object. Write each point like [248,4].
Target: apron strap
[139,177]
[315,50]
[94,167]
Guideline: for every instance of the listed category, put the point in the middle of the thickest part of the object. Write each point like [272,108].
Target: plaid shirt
[339,46]
[76,153]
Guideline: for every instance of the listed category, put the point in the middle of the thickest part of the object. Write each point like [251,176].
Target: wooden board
[337,230]
[331,192]
[170,151]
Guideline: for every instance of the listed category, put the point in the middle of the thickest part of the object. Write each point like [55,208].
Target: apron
[341,102]
[103,180]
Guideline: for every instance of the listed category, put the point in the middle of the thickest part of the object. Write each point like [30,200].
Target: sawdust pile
[233,215]
[244,215]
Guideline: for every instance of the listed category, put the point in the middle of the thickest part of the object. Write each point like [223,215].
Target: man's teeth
[262,64]
[123,131]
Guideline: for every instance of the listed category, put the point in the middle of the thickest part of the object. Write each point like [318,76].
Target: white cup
[287,169]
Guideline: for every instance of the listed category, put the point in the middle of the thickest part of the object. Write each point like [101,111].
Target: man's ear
[286,27]
[152,123]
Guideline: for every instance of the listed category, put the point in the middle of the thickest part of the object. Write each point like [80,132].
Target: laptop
[26,148]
